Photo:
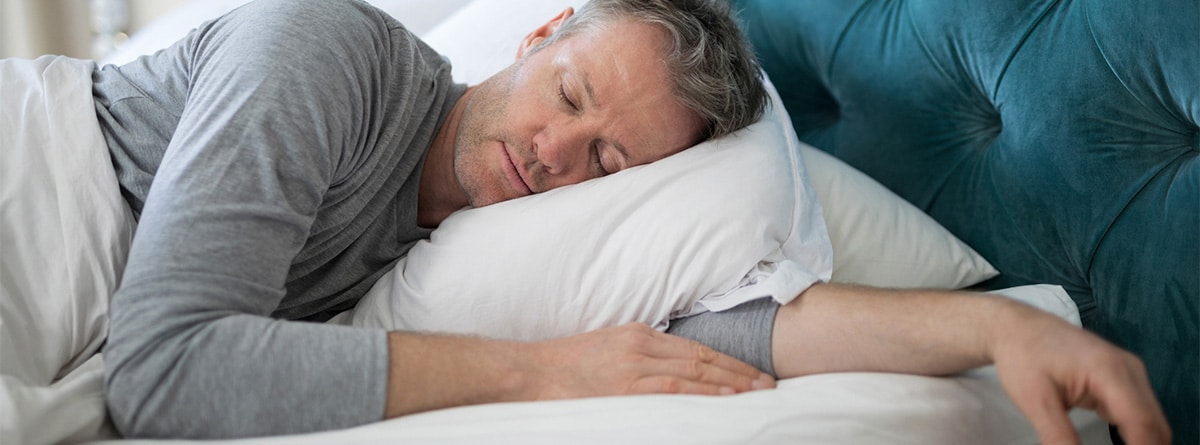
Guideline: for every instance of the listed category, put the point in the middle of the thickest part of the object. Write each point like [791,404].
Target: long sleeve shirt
[273,159]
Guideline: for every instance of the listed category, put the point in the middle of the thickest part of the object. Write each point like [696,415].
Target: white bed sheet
[823,409]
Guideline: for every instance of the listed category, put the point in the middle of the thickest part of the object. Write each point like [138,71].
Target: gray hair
[714,70]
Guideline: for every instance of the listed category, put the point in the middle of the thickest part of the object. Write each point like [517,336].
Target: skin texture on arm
[430,372]
[1046,365]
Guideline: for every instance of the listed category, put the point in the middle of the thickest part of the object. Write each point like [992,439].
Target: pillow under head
[879,239]
[642,255]
[721,223]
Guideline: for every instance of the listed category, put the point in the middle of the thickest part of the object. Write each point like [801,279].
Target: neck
[439,193]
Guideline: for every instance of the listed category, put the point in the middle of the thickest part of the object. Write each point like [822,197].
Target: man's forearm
[833,328]
[1047,366]
[430,372]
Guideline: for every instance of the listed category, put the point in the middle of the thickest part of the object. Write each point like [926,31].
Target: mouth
[513,174]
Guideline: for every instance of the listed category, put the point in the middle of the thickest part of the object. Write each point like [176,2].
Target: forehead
[622,63]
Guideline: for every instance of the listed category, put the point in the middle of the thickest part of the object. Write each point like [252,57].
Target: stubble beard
[471,168]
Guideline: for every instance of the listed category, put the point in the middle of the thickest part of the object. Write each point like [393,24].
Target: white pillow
[721,223]
[879,239]
[641,246]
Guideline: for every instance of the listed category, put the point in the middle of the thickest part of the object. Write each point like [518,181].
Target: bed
[953,199]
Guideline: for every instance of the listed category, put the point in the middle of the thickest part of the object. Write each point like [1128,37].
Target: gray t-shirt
[273,158]
[284,144]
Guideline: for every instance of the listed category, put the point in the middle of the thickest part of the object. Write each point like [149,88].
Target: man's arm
[430,372]
[1046,365]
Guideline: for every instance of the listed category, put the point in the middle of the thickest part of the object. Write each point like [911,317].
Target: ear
[544,31]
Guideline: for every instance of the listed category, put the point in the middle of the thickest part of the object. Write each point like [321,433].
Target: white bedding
[64,232]
[850,408]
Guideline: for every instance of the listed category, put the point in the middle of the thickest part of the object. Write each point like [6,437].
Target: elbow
[145,366]
[132,388]
[124,404]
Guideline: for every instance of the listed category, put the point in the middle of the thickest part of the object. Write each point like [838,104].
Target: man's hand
[1048,366]
[430,371]
[636,359]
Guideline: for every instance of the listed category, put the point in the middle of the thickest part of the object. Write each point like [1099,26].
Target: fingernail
[727,391]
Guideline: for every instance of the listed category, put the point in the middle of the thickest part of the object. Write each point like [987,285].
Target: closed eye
[598,161]
[562,95]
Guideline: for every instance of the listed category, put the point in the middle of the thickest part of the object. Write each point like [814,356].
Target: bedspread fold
[65,232]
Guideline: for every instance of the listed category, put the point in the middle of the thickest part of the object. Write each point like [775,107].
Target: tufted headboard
[1058,138]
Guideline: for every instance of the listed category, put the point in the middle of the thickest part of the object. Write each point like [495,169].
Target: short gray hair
[714,70]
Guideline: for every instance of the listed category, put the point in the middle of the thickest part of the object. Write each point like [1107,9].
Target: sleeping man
[280,158]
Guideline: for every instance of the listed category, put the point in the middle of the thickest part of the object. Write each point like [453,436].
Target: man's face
[585,106]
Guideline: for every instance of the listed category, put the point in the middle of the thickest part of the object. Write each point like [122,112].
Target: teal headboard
[1058,138]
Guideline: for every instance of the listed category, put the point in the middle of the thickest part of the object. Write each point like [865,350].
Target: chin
[483,198]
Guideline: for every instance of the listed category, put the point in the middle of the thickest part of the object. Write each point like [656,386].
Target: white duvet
[64,234]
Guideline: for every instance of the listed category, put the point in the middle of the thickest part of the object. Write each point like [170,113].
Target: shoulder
[340,21]
[327,31]
[321,40]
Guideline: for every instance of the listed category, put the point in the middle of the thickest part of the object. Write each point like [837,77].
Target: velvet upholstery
[1057,138]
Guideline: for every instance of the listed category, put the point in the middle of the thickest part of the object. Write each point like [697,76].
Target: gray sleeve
[274,104]
[743,332]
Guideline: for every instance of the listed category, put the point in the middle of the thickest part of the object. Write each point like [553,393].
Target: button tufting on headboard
[1057,138]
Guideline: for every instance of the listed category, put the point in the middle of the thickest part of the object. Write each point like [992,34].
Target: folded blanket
[65,231]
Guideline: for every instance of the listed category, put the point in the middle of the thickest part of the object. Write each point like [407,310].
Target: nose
[563,150]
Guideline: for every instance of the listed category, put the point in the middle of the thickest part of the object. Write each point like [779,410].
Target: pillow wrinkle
[641,245]
[724,222]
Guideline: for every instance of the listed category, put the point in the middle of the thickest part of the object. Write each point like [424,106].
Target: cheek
[482,119]
[530,100]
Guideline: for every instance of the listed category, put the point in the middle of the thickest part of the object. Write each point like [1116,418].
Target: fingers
[633,359]
[1123,397]
[671,346]
[1041,402]
[1073,368]
[677,365]
[695,371]
[670,385]
[1145,435]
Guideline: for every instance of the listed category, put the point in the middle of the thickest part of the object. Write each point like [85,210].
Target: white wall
[30,28]
[142,12]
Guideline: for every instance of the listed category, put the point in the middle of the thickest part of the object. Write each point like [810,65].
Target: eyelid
[595,149]
[562,95]
[596,146]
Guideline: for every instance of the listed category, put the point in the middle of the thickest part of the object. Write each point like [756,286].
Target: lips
[513,173]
